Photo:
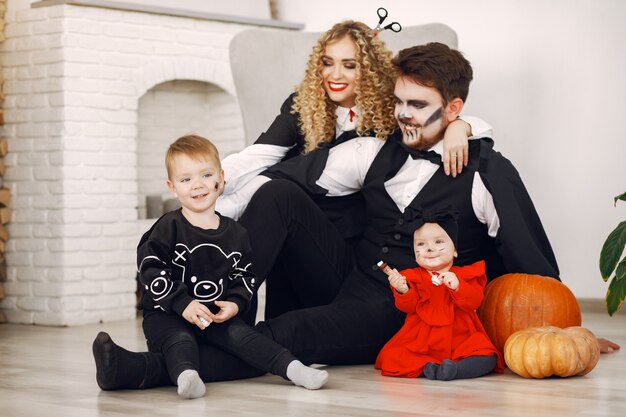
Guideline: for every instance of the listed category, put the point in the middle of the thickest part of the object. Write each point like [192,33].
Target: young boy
[442,337]
[197,271]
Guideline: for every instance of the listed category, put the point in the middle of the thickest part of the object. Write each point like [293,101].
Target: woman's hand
[455,147]
[228,310]
[195,312]
[398,282]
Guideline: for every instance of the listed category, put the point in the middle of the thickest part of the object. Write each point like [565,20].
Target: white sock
[190,385]
[307,377]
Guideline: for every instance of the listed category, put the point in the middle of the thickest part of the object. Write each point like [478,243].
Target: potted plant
[610,263]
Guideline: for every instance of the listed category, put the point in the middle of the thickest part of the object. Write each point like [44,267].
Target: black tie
[431,156]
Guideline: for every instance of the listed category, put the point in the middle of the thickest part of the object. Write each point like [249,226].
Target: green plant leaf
[615,295]
[612,250]
[620,271]
[619,197]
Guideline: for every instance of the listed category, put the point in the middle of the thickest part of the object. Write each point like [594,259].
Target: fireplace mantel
[172,11]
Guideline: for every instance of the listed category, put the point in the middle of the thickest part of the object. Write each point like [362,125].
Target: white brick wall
[77,125]
[176,108]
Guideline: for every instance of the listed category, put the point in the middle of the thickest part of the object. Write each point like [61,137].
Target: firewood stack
[5,193]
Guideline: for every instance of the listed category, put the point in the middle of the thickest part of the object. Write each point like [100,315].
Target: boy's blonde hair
[195,147]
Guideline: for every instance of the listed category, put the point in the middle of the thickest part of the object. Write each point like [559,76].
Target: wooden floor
[46,371]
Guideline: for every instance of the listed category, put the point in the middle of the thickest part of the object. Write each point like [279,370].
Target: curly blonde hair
[375,78]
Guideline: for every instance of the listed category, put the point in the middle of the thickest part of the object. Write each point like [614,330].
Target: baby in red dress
[442,337]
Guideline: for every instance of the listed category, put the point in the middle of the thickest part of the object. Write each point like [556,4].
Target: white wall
[549,76]
[177,108]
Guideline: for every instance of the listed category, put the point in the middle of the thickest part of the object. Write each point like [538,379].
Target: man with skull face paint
[497,220]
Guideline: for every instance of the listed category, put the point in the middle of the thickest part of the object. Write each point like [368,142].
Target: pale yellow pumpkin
[540,352]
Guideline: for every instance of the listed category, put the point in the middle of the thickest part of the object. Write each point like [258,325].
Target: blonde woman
[347,91]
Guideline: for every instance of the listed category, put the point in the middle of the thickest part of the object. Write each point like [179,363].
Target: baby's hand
[228,310]
[398,282]
[450,280]
[198,314]
[436,279]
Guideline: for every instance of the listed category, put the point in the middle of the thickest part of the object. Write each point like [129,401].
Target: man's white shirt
[349,162]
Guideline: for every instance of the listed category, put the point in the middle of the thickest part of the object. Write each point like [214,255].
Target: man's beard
[412,132]
[412,136]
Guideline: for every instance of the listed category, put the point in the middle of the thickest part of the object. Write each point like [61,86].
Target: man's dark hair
[437,66]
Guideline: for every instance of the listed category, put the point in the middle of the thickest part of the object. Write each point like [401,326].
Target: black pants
[321,305]
[179,340]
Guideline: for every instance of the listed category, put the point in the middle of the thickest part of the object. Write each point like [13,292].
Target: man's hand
[195,311]
[228,310]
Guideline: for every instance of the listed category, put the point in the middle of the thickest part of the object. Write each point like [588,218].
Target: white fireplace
[94,93]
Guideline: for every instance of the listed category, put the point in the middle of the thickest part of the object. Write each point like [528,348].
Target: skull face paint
[434,117]
[419,113]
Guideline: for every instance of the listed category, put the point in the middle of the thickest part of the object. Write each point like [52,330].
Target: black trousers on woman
[322,306]
[335,312]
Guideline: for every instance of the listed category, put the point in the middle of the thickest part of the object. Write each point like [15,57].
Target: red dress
[440,323]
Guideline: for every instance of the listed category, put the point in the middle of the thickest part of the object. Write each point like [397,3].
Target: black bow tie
[431,156]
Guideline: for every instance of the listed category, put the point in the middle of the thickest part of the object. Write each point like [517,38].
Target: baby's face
[434,250]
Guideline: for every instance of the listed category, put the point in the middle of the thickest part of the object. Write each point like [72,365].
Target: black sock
[430,370]
[471,367]
[116,367]
[447,371]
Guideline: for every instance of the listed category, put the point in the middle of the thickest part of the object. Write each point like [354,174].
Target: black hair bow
[446,217]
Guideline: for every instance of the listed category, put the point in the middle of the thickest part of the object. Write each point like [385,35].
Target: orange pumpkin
[515,302]
[540,352]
